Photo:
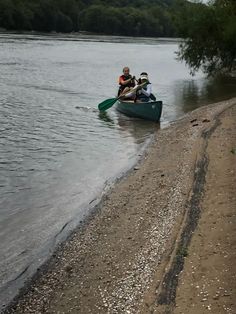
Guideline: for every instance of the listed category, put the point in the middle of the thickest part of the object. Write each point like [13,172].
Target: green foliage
[211,34]
[41,15]
[116,17]
[7,14]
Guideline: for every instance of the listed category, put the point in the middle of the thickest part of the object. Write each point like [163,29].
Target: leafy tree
[70,9]
[22,16]
[7,12]
[118,17]
[44,17]
[63,23]
[211,41]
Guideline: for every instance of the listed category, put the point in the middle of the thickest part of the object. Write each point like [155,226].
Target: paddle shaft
[108,103]
[133,89]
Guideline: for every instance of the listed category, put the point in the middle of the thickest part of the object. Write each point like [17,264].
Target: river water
[57,153]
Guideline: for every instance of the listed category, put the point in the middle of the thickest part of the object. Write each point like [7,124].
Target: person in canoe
[126,82]
[144,94]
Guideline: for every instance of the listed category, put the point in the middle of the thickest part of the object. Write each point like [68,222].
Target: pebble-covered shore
[117,262]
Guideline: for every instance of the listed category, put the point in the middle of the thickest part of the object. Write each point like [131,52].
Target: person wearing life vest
[144,93]
[126,82]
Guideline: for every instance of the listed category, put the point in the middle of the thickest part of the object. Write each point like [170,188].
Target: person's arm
[147,92]
[125,82]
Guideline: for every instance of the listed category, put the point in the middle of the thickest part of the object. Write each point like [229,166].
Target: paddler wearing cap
[143,94]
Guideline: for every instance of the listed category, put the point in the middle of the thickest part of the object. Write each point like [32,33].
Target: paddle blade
[106,104]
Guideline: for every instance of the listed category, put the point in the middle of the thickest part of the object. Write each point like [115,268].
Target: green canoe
[144,110]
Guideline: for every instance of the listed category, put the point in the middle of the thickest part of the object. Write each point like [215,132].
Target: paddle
[108,103]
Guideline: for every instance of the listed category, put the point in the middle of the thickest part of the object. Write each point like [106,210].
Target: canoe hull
[148,111]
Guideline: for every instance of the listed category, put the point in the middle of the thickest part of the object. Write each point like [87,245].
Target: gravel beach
[163,239]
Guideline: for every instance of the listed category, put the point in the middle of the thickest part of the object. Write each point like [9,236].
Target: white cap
[144,77]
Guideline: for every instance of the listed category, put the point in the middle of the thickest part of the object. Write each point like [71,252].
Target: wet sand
[163,240]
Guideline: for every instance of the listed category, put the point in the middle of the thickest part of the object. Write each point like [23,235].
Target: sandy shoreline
[129,257]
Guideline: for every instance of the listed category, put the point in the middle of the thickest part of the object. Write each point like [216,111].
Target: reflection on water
[57,150]
[191,94]
[104,116]
[139,129]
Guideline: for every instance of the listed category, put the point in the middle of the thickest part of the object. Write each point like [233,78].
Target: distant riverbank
[130,255]
[82,35]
